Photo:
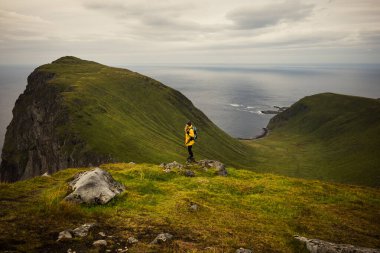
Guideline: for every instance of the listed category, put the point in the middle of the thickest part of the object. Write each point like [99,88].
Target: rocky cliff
[77,113]
[33,143]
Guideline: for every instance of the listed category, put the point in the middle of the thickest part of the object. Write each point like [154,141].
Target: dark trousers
[189,149]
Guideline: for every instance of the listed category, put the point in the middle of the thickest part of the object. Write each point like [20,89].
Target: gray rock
[162,238]
[193,207]
[319,246]
[71,251]
[83,230]
[221,168]
[102,234]
[189,173]
[132,240]
[100,243]
[94,187]
[46,174]
[64,235]
[242,250]
[169,166]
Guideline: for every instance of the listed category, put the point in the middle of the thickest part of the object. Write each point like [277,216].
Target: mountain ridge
[90,114]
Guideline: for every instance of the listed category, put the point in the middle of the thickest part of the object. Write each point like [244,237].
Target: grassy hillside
[245,209]
[325,136]
[133,117]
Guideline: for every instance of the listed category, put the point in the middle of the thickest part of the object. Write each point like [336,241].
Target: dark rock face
[33,142]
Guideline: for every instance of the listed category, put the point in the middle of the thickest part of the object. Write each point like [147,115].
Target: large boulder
[94,187]
[319,246]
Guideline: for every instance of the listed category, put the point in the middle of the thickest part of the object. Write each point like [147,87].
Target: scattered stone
[162,238]
[131,163]
[83,230]
[46,174]
[319,246]
[64,235]
[100,243]
[122,250]
[108,250]
[193,207]
[242,250]
[132,240]
[221,168]
[94,187]
[189,173]
[71,251]
[102,234]
[170,166]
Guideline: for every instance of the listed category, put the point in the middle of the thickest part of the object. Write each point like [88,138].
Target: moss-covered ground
[245,209]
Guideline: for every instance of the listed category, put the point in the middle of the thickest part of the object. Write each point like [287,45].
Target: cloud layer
[210,31]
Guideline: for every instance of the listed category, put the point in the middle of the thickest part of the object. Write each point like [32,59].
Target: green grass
[132,117]
[326,136]
[119,114]
[244,209]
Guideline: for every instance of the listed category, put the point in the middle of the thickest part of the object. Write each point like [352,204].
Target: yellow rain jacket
[189,135]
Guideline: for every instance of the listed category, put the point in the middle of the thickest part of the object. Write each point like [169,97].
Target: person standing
[190,140]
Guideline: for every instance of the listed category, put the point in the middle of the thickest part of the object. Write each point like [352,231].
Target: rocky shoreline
[279,109]
[262,135]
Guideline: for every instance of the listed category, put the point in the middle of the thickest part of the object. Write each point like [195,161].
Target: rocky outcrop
[221,168]
[162,238]
[319,246]
[33,142]
[94,187]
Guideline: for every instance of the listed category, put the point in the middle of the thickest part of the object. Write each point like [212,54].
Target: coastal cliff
[33,143]
[77,113]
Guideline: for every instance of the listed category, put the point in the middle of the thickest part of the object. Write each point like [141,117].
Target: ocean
[231,96]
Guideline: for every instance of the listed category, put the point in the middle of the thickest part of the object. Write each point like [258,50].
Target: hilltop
[326,136]
[78,113]
[261,212]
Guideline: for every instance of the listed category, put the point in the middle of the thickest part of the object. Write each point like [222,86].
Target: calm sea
[232,97]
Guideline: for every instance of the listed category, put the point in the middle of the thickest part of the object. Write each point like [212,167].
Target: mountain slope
[261,212]
[77,113]
[325,136]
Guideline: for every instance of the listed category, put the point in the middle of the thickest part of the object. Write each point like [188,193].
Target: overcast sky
[117,32]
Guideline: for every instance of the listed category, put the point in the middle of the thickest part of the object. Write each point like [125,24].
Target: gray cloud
[119,31]
[253,17]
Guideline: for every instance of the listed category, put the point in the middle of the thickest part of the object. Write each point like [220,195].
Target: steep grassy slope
[245,209]
[133,117]
[324,136]
[105,114]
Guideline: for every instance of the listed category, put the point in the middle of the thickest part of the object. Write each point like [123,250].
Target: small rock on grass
[83,230]
[64,235]
[132,240]
[193,207]
[100,243]
[46,174]
[189,173]
[242,250]
[162,238]
[102,234]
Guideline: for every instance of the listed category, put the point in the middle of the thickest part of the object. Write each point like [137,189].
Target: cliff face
[33,142]
[77,113]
